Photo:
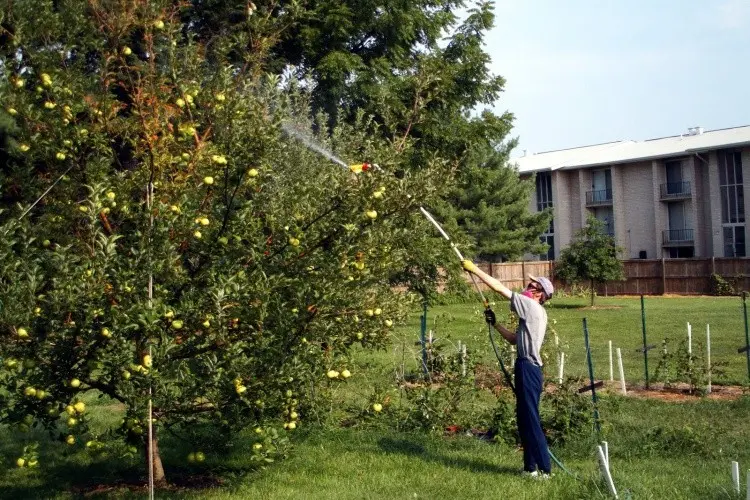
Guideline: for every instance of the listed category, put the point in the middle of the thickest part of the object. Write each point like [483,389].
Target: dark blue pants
[528,391]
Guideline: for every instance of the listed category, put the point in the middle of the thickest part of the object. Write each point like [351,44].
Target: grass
[658,449]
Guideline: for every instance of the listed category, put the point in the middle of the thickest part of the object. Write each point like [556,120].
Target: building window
[543,202]
[607,216]
[732,203]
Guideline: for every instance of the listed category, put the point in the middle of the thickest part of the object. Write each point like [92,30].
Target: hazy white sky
[582,72]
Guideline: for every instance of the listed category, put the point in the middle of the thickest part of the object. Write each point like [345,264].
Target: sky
[581,72]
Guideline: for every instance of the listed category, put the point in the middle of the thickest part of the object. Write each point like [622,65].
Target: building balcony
[600,198]
[675,191]
[678,238]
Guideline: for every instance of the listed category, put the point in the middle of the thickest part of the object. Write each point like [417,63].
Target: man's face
[534,289]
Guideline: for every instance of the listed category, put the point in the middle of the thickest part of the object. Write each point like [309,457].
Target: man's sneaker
[543,476]
[532,474]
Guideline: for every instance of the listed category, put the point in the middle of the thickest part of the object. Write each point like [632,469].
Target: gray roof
[613,153]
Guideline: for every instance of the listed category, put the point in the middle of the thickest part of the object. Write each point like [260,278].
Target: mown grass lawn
[658,449]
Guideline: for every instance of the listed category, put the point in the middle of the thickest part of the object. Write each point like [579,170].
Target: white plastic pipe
[748,484]
[463,360]
[736,477]
[708,358]
[690,339]
[605,446]
[561,367]
[604,465]
[622,371]
[611,366]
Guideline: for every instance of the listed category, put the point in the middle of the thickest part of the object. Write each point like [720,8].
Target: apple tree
[168,242]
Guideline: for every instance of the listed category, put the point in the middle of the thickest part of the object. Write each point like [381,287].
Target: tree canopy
[591,258]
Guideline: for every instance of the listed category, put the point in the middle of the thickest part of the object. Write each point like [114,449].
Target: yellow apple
[180,102]
[30,392]
[70,410]
[346,373]
[372,214]
[75,383]
[199,456]
[46,80]
[240,389]
[22,333]
[111,195]
[147,361]
[24,147]
[159,24]
[291,426]
[106,333]
[370,312]
[360,335]
[126,51]
[49,105]
[257,446]
[71,439]
[294,242]
[208,180]
[169,314]
[198,234]
[332,374]
[20,83]
[72,422]
[177,324]
[252,173]
[20,462]
[378,311]
[388,323]
[203,221]
[12,111]
[80,407]
[219,159]
[220,97]
[377,407]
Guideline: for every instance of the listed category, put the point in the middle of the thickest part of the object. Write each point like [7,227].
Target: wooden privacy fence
[642,276]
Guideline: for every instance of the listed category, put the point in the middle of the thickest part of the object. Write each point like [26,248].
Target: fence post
[663,277]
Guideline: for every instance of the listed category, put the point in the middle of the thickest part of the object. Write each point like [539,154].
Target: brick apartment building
[671,197]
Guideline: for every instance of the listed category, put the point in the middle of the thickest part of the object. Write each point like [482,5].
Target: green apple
[252,172]
[191,457]
[177,324]
[199,456]
[80,407]
[147,361]
[169,314]
[175,209]
[159,24]
[46,243]
[208,180]
[360,335]
[70,410]
[22,333]
[180,102]
[106,333]
[24,147]
[240,389]
[46,79]
[293,415]
[388,323]
[219,159]
[125,375]
[346,373]
[206,324]
[377,407]
[294,242]
[372,214]
[257,446]
[72,422]
[20,83]
[224,240]
[198,234]
[41,394]
[332,374]
[71,439]
[370,312]
[111,195]
[126,51]
[30,392]
[220,97]
[20,462]
[378,311]
[12,111]
[203,221]
[291,426]
[49,105]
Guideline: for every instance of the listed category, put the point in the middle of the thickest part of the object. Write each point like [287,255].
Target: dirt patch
[597,308]
[681,392]
[176,485]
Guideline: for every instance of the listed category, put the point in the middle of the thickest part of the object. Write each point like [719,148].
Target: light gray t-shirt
[532,326]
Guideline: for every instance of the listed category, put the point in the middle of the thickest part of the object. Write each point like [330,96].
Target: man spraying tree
[528,338]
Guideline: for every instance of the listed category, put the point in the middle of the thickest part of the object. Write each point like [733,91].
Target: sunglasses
[534,286]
